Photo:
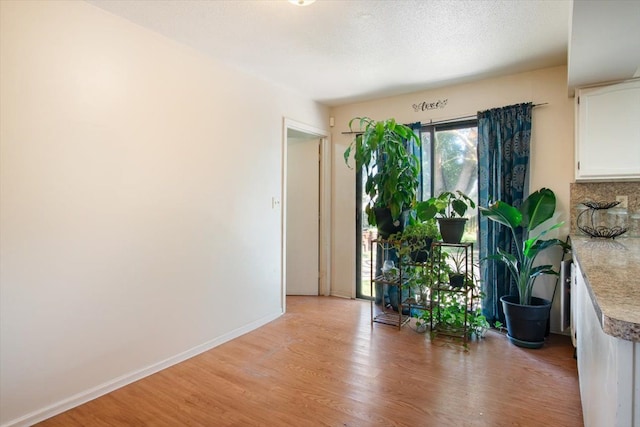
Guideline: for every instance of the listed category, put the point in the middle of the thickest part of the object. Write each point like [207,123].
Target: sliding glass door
[449,162]
[365,233]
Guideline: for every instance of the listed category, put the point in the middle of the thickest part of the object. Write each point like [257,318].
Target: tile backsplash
[607,192]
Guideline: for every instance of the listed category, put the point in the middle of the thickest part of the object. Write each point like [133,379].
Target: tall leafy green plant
[536,209]
[392,170]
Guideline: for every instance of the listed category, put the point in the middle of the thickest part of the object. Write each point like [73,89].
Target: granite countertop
[612,272]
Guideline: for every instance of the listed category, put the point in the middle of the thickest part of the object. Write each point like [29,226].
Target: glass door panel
[365,233]
[456,168]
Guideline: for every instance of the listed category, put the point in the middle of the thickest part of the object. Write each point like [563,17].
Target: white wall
[136,178]
[551,147]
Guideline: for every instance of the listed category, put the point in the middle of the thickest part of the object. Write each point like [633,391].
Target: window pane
[368,257]
[456,161]
[456,168]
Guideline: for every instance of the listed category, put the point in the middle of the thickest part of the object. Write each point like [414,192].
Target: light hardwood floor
[323,364]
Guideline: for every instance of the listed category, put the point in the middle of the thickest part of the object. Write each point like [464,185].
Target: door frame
[324,238]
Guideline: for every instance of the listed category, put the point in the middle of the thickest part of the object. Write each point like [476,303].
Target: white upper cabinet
[608,132]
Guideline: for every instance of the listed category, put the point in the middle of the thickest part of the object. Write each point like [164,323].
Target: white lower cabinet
[608,368]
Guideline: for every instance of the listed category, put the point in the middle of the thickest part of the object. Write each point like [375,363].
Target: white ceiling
[343,51]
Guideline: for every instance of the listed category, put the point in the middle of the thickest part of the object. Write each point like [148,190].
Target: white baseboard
[102,389]
[341,295]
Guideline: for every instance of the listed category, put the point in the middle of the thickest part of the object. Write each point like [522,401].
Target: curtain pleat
[504,139]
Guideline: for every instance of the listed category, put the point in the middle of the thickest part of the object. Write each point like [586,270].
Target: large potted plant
[392,170]
[526,315]
[449,208]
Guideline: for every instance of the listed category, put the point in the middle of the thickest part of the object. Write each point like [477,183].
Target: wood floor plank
[323,364]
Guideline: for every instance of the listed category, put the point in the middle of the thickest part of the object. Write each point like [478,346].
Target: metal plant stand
[443,291]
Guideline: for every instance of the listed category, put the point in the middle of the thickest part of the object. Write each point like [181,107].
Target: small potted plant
[458,273]
[449,208]
[526,315]
[392,171]
[416,239]
[454,315]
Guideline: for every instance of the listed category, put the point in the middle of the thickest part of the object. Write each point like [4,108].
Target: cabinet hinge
[578,165]
[578,100]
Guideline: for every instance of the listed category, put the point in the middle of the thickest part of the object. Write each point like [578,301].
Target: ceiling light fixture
[301,2]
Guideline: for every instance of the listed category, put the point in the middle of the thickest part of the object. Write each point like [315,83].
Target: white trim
[109,386]
[341,295]
[325,216]
[325,206]
[302,127]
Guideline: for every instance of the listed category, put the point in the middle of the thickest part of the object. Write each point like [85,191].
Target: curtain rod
[431,122]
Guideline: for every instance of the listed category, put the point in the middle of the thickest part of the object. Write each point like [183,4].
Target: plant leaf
[503,213]
[426,211]
[532,248]
[510,261]
[459,207]
[537,208]
[542,269]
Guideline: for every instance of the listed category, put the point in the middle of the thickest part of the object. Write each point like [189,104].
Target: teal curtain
[504,139]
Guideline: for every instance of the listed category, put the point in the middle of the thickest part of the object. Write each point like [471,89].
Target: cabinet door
[606,369]
[608,132]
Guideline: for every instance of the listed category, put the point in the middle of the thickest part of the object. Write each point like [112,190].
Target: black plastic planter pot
[452,229]
[385,223]
[456,280]
[526,324]
[420,255]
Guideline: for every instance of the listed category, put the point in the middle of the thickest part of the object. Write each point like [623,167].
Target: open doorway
[305,211]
